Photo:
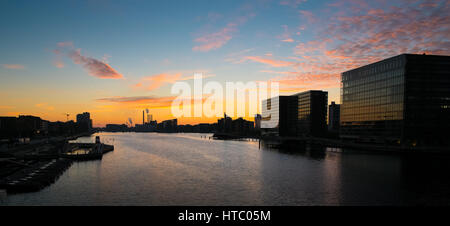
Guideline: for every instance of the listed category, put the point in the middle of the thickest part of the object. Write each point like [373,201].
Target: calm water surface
[184,169]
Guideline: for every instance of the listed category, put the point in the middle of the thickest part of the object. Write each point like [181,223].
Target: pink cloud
[385,33]
[358,34]
[308,15]
[65,44]
[215,40]
[139,101]
[13,66]
[286,36]
[156,81]
[136,99]
[159,80]
[292,3]
[96,68]
[145,101]
[271,62]
[288,40]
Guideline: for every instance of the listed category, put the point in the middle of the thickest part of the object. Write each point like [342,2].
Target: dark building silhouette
[312,113]
[199,128]
[203,128]
[146,127]
[238,126]
[258,121]
[185,128]
[279,116]
[116,128]
[241,126]
[84,122]
[22,126]
[404,99]
[8,127]
[334,112]
[167,126]
[31,127]
[62,128]
[224,125]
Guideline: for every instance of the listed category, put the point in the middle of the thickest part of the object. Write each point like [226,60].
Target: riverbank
[32,167]
[290,142]
[35,176]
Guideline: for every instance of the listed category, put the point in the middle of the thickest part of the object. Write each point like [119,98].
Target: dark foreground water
[184,169]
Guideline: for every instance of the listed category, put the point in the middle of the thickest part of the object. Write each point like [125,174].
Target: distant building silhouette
[404,99]
[116,128]
[241,126]
[84,122]
[167,126]
[334,111]
[146,127]
[199,128]
[238,127]
[27,126]
[224,124]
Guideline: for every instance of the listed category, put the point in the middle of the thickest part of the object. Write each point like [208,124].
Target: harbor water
[187,169]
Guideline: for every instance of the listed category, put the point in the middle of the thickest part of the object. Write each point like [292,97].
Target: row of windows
[382,116]
[386,76]
[366,112]
[395,99]
[394,95]
[373,116]
[366,109]
[374,86]
[376,68]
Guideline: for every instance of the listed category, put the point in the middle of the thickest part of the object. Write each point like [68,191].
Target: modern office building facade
[279,116]
[334,115]
[404,99]
[312,113]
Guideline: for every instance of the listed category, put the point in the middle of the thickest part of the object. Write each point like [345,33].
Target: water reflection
[185,169]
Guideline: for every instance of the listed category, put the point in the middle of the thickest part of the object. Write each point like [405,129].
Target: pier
[86,151]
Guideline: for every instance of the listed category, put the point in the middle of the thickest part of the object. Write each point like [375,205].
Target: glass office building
[312,113]
[404,99]
[334,115]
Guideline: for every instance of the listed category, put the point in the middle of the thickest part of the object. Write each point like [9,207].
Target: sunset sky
[117,58]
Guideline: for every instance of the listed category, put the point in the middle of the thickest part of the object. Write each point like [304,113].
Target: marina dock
[32,172]
[86,151]
[36,176]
